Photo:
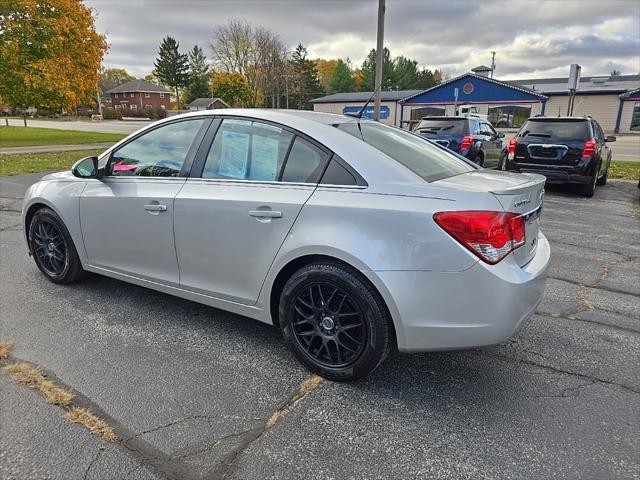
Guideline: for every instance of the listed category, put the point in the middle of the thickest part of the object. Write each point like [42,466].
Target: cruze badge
[524,201]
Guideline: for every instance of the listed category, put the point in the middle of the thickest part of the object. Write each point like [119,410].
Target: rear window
[556,129]
[441,126]
[426,160]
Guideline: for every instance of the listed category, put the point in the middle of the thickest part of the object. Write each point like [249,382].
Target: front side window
[158,153]
[426,160]
[247,150]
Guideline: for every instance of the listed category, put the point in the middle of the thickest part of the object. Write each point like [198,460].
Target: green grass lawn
[626,170]
[31,136]
[16,164]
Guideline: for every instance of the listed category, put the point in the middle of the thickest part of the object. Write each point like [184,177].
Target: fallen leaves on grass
[86,418]
[25,374]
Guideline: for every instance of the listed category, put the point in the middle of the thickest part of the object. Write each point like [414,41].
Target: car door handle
[154,207]
[265,214]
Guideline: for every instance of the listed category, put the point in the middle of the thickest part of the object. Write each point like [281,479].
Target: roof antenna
[360,113]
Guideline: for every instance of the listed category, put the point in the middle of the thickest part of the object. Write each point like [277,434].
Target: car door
[603,148]
[127,215]
[232,220]
[492,145]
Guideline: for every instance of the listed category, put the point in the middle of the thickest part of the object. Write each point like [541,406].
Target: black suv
[564,149]
[472,137]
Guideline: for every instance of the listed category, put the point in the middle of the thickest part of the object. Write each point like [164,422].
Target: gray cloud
[531,38]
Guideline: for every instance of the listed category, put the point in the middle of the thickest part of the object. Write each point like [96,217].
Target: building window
[132,95]
[146,95]
[509,116]
[118,107]
[162,95]
[134,107]
[162,107]
[148,106]
[116,95]
[635,118]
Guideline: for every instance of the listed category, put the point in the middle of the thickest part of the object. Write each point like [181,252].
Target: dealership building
[614,101]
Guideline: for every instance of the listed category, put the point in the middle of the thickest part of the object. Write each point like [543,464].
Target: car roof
[560,119]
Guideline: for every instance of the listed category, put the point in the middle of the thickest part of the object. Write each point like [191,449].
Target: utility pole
[98,98]
[379,58]
[493,62]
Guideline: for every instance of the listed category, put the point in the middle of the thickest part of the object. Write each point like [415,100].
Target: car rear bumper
[556,173]
[481,306]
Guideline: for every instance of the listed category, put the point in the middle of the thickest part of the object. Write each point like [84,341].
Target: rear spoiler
[535,180]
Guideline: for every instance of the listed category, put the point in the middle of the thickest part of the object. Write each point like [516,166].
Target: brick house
[137,95]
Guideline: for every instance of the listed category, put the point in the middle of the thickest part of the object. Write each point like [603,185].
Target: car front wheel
[335,323]
[52,248]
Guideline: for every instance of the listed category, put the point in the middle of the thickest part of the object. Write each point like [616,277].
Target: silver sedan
[350,236]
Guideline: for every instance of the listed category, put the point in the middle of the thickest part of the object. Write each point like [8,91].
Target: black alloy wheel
[328,325]
[335,321]
[52,247]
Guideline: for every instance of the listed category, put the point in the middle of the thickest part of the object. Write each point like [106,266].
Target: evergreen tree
[171,66]
[198,86]
[369,71]
[306,83]
[341,80]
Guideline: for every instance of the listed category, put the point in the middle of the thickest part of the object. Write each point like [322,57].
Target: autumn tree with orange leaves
[50,53]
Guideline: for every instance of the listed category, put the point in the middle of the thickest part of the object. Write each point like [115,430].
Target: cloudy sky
[531,38]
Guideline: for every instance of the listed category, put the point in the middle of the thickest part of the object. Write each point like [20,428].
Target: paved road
[191,387]
[55,148]
[107,126]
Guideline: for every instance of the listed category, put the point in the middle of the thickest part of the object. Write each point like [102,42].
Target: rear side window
[336,174]
[560,130]
[446,126]
[426,160]
[247,150]
[305,163]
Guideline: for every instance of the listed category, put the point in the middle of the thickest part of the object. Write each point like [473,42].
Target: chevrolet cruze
[350,236]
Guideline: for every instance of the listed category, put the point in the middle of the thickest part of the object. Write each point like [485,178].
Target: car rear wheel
[335,323]
[479,160]
[52,248]
[589,189]
[603,180]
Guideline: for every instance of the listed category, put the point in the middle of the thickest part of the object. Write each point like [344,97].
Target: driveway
[198,393]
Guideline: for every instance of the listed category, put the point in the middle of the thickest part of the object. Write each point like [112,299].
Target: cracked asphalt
[190,390]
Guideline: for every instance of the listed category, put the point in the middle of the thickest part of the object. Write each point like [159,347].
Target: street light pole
[379,58]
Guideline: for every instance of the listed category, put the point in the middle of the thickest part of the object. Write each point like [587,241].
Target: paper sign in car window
[235,153]
[264,158]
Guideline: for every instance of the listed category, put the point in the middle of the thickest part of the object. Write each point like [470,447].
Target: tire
[479,160]
[53,249]
[589,189]
[503,163]
[603,180]
[335,323]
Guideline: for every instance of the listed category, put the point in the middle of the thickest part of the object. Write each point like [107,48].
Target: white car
[351,236]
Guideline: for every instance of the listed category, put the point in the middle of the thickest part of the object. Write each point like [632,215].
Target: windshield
[448,126]
[423,158]
[556,129]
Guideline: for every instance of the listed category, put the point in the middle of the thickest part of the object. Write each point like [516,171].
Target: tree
[112,77]
[171,66]
[325,69]
[198,86]
[50,53]
[231,87]
[341,80]
[369,71]
[306,84]
[255,53]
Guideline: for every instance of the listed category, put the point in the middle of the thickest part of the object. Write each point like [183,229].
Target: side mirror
[86,168]
[610,138]
[500,134]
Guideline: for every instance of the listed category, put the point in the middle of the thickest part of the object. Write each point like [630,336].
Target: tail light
[511,148]
[589,149]
[489,235]
[466,142]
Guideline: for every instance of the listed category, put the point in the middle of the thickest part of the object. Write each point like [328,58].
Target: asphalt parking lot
[192,391]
